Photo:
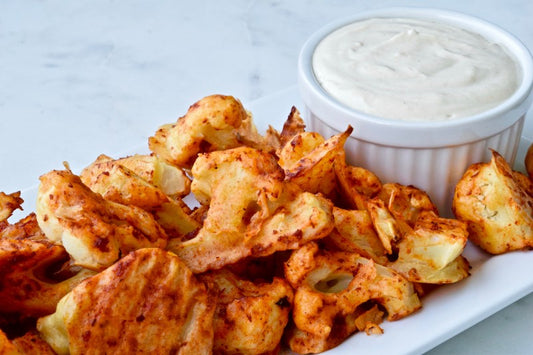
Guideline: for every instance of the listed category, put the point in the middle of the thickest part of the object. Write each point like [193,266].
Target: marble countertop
[81,78]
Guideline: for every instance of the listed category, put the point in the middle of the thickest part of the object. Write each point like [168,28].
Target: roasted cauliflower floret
[215,122]
[354,232]
[252,211]
[235,184]
[120,184]
[432,251]
[171,180]
[298,146]
[117,183]
[406,202]
[296,218]
[364,319]
[334,284]
[250,318]
[148,302]
[495,206]
[30,270]
[356,184]
[388,229]
[94,231]
[308,161]
[422,246]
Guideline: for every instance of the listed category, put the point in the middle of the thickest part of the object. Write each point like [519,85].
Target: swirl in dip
[414,69]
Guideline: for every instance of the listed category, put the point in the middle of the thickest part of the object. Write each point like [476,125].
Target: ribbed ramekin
[431,155]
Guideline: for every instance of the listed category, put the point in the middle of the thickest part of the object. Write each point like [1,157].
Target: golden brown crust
[27,264]
[252,211]
[147,302]
[114,181]
[250,317]
[216,122]
[95,231]
[330,286]
[32,343]
[496,207]
[308,161]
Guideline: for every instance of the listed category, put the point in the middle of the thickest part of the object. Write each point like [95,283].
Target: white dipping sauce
[412,69]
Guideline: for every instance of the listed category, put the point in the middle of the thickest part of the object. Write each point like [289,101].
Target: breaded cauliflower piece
[252,211]
[117,183]
[27,264]
[94,231]
[496,207]
[330,284]
[250,318]
[215,122]
[148,302]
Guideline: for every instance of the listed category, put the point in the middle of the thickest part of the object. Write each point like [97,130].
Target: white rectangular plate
[495,282]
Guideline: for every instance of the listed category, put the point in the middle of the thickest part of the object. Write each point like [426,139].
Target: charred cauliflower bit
[364,319]
[29,343]
[8,204]
[27,264]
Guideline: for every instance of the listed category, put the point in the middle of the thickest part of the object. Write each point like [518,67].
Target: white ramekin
[429,155]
